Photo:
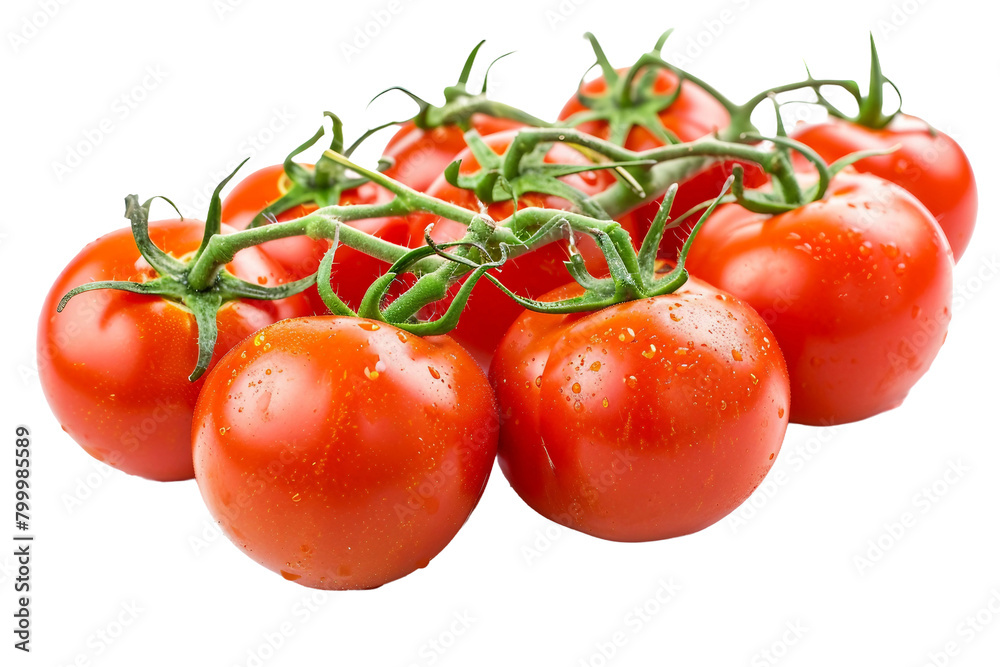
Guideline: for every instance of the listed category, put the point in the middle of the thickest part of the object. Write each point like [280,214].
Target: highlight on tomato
[925,161]
[343,453]
[856,288]
[115,366]
[646,420]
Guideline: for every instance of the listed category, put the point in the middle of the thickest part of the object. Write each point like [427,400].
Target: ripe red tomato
[353,271]
[342,453]
[691,116]
[420,156]
[646,420]
[114,365]
[856,287]
[490,312]
[929,164]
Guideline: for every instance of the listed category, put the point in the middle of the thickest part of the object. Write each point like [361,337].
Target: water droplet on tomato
[596,366]
[631,381]
[578,406]
[737,355]
[434,372]
[576,388]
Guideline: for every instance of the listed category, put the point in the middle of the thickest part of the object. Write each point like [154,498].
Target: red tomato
[490,312]
[856,287]
[420,156]
[643,421]
[114,365]
[353,271]
[342,453]
[929,164]
[692,115]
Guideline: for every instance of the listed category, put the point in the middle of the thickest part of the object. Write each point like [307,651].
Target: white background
[530,593]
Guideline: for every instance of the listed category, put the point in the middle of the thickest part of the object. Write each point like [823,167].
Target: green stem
[322,223]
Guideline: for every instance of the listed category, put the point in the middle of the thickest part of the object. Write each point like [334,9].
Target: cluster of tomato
[345,453]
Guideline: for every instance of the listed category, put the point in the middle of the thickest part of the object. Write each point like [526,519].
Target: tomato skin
[420,156]
[341,453]
[929,164]
[114,366]
[691,116]
[353,270]
[643,421]
[490,312]
[856,287]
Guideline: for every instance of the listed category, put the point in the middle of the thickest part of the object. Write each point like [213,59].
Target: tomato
[929,164]
[114,365]
[856,287]
[419,156]
[691,116]
[343,453]
[490,311]
[642,421]
[353,271]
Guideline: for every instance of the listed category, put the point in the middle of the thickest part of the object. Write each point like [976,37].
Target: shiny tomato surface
[927,163]
[114,365]
[342,453]
[642,421]
[856,287]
